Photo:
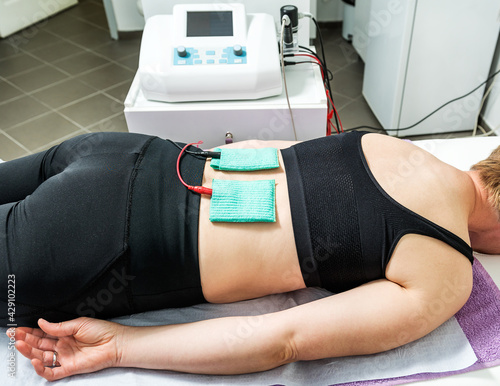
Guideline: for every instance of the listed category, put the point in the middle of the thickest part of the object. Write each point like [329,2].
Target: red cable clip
[196,189]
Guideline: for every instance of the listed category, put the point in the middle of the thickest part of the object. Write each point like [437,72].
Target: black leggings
[98,226]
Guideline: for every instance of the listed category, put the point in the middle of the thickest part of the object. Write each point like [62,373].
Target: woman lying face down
[381,223]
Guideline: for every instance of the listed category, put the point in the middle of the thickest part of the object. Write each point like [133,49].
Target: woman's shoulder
[421,182]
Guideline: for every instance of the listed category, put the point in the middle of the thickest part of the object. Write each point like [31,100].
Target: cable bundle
[325,73]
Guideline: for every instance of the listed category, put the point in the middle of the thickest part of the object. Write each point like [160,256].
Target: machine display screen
[209,23]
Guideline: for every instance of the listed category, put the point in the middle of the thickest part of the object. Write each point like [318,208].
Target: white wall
[128,16]
[329,10]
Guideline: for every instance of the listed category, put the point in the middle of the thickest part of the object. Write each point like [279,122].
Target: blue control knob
[238,50]
[181,51]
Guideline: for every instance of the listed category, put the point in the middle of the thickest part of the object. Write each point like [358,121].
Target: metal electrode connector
[290,16]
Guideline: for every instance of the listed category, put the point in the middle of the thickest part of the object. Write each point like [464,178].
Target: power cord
[432,113]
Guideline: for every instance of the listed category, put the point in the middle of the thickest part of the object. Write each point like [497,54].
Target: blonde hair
[489,172]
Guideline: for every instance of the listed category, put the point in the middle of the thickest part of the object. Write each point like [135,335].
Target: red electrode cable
[333,110]
[316,60]
[336,113]
[196,189]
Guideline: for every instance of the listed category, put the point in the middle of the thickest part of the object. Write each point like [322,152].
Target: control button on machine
[181,51]
[238,50]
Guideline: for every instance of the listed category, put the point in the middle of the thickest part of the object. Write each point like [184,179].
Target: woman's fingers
[42,362]
[82,345]
[23,331]
[40,368]
[69,327]
[47,344]
[49,373]
[46,356]
[40,333]
[30,352]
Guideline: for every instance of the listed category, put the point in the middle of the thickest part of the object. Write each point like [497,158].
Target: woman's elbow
[288,353]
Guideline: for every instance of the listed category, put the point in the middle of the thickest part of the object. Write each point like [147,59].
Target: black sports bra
[345,225]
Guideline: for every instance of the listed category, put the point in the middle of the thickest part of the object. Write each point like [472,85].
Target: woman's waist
[250,268]
[245,260]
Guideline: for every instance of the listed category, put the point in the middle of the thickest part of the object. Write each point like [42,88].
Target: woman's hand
[83,345]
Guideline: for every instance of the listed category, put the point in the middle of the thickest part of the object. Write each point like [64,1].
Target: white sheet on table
[445,349]
[460,152]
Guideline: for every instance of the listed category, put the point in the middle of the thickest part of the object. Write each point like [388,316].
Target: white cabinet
[423,54]
[265,119]
[18,14]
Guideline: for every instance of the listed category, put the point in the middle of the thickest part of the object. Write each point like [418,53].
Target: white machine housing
[208,52]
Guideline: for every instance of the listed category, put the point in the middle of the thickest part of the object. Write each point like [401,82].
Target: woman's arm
[230,345]
[372,318]
[218,346]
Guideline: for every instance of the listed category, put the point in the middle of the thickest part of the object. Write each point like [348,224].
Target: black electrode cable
[293,63]
[288,63]
[206,154]
[202,154]
[327,78]
[327,71]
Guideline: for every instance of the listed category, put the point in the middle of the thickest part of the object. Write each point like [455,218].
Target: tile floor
[65,76]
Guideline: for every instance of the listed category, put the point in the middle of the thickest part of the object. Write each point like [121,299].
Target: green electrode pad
[246,159]
[243,201]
